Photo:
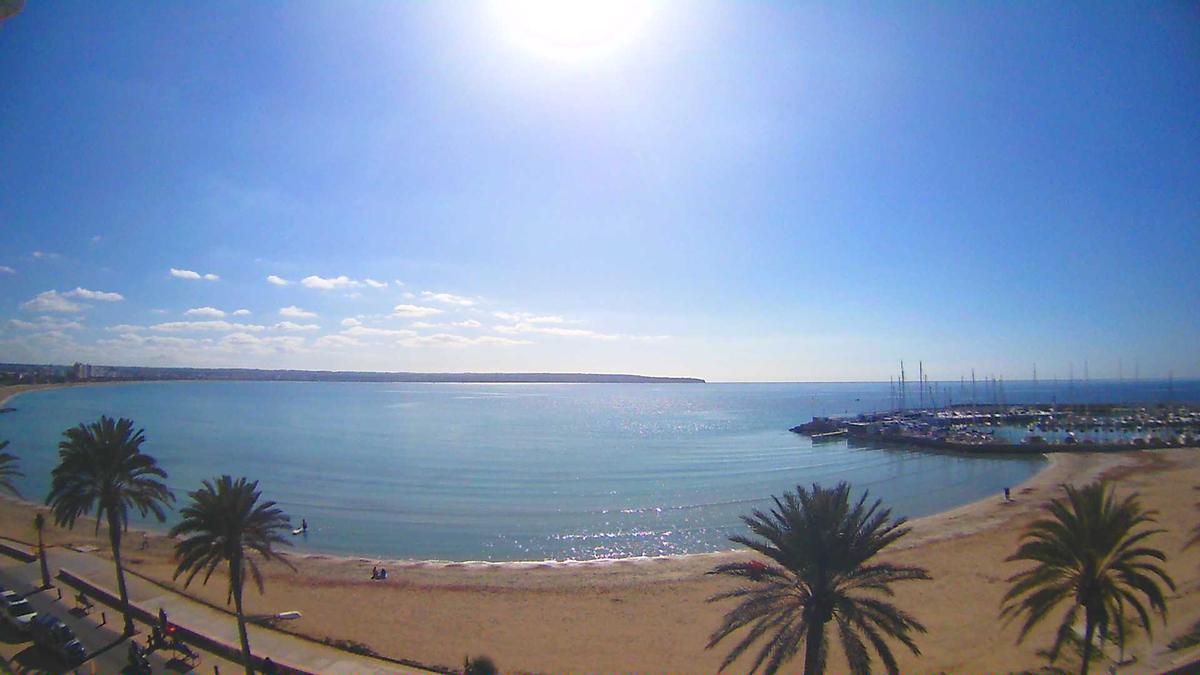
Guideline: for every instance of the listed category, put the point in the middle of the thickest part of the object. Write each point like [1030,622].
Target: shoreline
[7,394]
[535,616]
[652,613]
[152,530]
[942,519]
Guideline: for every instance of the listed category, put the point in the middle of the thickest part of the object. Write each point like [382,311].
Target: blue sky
[734,191]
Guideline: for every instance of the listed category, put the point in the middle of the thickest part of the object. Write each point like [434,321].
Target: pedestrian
[1007,498]
[162,619]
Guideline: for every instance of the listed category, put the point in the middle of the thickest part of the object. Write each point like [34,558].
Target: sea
[506,472]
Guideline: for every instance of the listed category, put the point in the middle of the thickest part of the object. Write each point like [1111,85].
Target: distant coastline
[91,373]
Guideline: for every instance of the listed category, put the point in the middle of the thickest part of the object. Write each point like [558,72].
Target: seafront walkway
[72,571]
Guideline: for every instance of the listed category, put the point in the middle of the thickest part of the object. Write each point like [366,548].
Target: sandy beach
[651,615]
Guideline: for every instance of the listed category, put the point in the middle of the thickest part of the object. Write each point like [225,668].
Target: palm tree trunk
[235,580]
[1088,633]
[114,538]
[42,559]
[814,649]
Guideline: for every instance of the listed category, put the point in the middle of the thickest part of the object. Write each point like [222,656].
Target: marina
[1020,428]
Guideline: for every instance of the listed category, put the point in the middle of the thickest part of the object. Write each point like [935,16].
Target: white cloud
[351,321]
[96,239]
[5,269]
[413,311]
[206,311]
[449,340]
[51,301]
[43,255]
[375,284]
[124,328]
[94,295]
[291,326]
[190,326]
[525,317]
[45,323]
[247,343]
[329,284]
[366,331]
[469,323]
[295,312]
[158,311]
[154,342]
[242,312]
[189,274]
[399,283]
[337,341]
[447,298]
[526,327]
[409,295]
[278,281]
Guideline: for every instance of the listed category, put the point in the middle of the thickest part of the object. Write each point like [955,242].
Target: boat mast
[921,382]
[974,401]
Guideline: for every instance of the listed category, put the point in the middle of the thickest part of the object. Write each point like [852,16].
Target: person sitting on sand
[382,573]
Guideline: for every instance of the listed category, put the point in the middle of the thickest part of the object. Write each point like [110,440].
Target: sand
[651,615]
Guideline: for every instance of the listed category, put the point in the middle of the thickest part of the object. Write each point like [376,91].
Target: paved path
[107,648]
[197,617]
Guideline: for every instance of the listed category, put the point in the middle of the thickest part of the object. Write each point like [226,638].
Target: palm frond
[1090,554]
[9,470]
[820,546]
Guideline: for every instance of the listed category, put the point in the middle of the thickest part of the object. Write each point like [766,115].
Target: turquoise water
[507,472]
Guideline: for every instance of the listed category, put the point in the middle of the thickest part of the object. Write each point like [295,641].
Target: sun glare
[573,30]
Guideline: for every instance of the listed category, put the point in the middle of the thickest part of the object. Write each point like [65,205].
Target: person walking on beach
[303,525]
[1007,498]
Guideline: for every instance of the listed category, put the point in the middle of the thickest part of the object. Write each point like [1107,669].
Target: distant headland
[13,373]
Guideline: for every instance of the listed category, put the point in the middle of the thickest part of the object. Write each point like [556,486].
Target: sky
[728,190]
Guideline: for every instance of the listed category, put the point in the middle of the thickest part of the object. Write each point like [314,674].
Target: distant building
[82,371]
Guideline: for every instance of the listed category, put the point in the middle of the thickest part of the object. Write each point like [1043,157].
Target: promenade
[71,568]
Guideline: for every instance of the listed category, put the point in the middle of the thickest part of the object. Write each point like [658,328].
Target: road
[99,630]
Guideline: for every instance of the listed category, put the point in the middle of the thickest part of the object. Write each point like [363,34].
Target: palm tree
[101,466]
[8,470]
[1089,552]
[820,546]
[1195,531]
[480,665]
[39,524]
[223,523]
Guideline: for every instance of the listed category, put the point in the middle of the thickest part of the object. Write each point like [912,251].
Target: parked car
[51,633]
[16,610]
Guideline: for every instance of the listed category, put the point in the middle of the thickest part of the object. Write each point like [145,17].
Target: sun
[573,30]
